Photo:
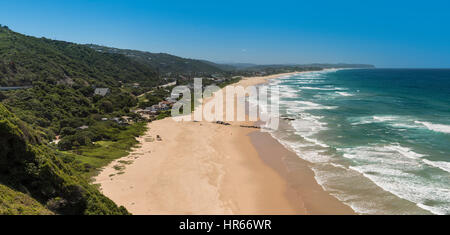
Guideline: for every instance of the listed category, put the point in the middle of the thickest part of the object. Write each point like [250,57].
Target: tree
[66,143]
[2,96]
[67,131]
[107,106]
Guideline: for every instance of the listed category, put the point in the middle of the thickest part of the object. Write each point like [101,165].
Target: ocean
[376,139]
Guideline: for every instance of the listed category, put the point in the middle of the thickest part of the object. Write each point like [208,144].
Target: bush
[107,106]
[2,96]
[67,131]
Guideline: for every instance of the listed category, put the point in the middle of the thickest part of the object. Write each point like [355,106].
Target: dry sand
[206,168]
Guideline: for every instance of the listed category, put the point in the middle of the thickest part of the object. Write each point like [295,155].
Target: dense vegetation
[163,62]
[154,97]
[116,142]
[13,202]
[35,177]
[25,59]
[62,109]
[29,167]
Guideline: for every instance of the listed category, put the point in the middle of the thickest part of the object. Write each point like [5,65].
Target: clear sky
[391,33]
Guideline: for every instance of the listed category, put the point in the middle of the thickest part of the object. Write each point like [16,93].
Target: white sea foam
[317,142]
[344,93]
[341,182]
[400,122]
[439,164]
[434,210]
[404,125]
[436,127]
[373,119]
[385,118]
[307,103]
[391,120]
[289,94]
[286,91]
[297,107]
[308,125]
[308,81]
[407,152]
[393,168]
[313,156]
[322,88]
[315,88]
[338,166]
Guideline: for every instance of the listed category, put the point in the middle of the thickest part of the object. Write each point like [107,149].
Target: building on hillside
[165,105]
[127,119]
[101,91]
[154,110]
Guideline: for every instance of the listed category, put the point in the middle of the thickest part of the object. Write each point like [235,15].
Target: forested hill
[26,59]
[35,180]
[164,63]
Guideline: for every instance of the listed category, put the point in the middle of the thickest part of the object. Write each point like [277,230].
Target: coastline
[302,186]
[205,168]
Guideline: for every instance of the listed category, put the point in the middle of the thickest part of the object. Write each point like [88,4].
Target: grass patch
[119,167]
[126,162]
[90,159]
[17,203]
[164,114]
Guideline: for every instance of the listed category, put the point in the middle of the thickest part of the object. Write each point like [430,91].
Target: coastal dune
[206,168]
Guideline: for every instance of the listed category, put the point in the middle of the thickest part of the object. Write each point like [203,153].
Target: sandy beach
[206,168]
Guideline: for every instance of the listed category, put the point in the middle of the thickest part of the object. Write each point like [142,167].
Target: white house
[101,91]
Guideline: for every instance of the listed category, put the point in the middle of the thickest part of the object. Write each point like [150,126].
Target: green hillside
[163,62]
[33,175]
[26,59]
[13,202]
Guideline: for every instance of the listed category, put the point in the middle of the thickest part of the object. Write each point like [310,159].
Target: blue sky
[385,33]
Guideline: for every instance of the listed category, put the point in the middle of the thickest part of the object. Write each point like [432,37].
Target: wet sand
[302,188]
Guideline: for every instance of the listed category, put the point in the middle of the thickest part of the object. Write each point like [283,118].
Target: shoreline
[205,168]
[302,187]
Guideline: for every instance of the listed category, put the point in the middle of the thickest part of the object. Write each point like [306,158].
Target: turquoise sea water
[378,139]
